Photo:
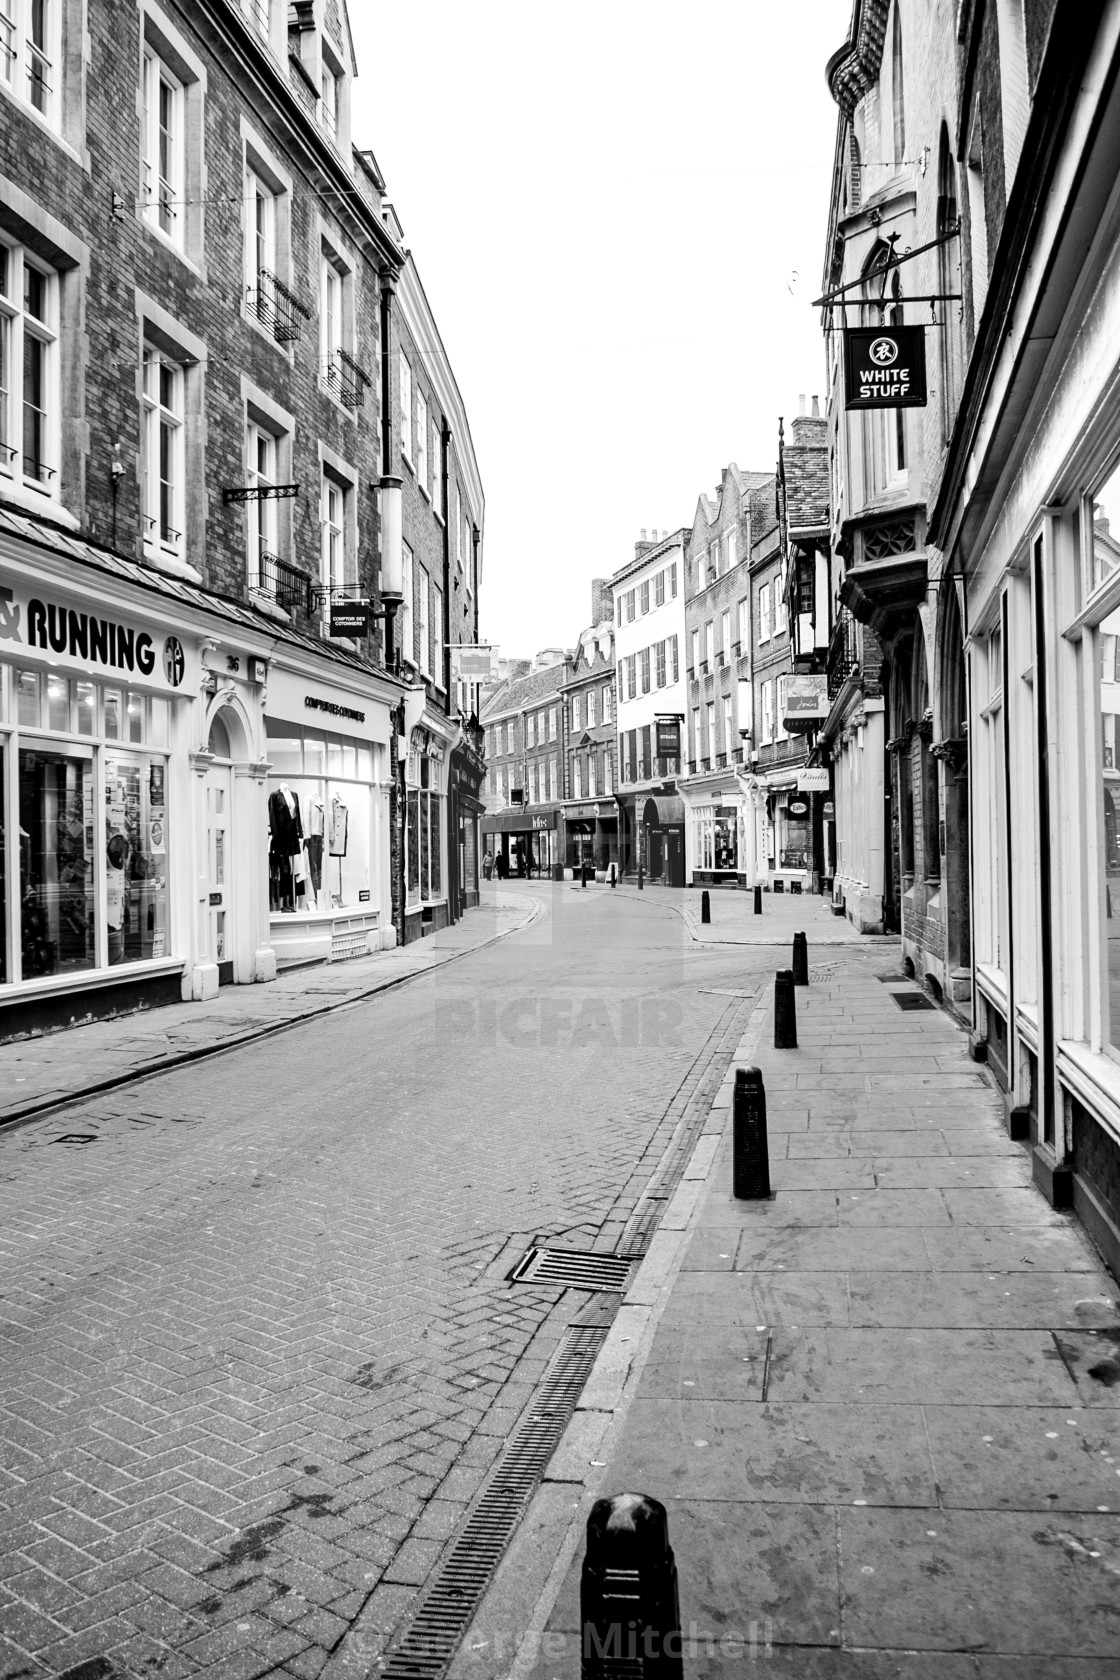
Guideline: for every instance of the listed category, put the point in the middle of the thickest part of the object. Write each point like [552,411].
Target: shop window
[29,410]
[326,783]
[424,870]
[1103,579]
[57,891]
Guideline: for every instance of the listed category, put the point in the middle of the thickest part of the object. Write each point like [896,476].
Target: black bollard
[583,876]
[705,907]
[750,1176]
[639,874]
[800,960]
[629,1605]
[612,875]
[785,1011]
[758,900]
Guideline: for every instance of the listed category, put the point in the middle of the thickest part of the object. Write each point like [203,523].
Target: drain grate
[570,1268]
[912,1000]
[75,1137]
[447,1607]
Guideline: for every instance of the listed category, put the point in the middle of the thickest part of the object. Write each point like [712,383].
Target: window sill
[423,489]
[36,501]
[408,463]
[169,244]
[171,566]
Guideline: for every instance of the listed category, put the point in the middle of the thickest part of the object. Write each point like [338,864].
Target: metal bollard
[705,907]
[583,876]
[639,874]
[785,1011]
[612,875]
[800,960]
[750,1177]
[758,900]
[629,1605]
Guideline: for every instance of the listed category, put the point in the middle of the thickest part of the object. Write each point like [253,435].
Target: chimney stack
[602,600]
[816,408]
[801,402]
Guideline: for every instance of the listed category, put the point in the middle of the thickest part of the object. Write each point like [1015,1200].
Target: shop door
[674,848]
[219,794]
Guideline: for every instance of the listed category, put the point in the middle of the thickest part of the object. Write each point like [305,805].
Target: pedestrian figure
[488,864]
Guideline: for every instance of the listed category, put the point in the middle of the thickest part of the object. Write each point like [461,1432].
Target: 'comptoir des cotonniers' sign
[885,367]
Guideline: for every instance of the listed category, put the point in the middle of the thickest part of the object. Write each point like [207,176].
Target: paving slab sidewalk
[39,1072]
[734,921]
[883,1408]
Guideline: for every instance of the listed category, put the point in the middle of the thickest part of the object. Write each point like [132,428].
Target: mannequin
[285,848]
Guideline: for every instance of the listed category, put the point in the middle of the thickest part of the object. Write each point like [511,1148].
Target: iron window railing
[843,652]
[288,586]
[277,308]
[346,378]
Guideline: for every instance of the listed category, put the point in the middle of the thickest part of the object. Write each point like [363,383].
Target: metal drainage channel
[570,1268]
[911,1000]
[429,1644]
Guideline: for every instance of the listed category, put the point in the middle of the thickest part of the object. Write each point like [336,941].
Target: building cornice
[854,69]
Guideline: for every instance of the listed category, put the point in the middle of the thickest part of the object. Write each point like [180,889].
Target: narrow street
[260,1349]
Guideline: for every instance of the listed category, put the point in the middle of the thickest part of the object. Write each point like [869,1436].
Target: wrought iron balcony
[276,308]
[346,379]
[287,585]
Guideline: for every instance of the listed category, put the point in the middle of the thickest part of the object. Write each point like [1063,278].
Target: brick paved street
[259,1351]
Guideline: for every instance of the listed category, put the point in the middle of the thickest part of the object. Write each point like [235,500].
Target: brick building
[194,268]
[803,529]
[718,652]
[649,653]
[441,762]
[523,720]
[589,814]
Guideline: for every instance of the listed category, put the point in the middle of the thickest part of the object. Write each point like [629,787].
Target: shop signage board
[315,703]
[476,663]
[884,367]
[668,737]
[349,618]
[812,781]
[797,807]
[806,702]
[72,634]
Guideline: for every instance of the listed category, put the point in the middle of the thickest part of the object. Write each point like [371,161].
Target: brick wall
[203,298]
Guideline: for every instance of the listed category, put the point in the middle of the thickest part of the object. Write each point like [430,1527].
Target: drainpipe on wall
[455,886]
[392,587]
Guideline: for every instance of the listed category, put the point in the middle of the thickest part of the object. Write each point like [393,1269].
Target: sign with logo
[884,367]
[812,781]
[797,807]
[548,821]
[349,618]
[37,627]
[668,737]
[474,664]
[321,707]
[828,809]
[806,703]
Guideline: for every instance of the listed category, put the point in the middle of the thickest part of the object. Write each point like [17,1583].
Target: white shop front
[99,706]
[327,738]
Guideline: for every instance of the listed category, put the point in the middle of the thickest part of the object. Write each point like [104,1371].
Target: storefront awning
[664,811]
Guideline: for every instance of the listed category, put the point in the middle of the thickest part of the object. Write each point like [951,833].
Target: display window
[320,819]
[796,840]
[91,893]
[715,837]
[422,831]
[1102,587]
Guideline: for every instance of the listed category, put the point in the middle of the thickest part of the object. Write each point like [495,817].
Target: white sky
[608,204]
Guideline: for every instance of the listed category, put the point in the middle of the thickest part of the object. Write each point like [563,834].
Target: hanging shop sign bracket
[258,492]
[884,367]
[893,261]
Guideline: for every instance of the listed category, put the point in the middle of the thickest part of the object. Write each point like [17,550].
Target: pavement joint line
[666,1269]
[200,1052]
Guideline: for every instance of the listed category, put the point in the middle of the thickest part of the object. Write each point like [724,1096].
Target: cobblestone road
[258,1348]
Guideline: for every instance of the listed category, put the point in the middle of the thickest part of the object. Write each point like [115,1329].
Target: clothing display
[313,845]
[285,849]
[338,825]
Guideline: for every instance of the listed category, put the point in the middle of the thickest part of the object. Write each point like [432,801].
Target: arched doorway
[218,800]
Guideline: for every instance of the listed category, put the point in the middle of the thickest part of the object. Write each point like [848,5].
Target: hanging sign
[797,807]
[806,703]
[885,367]
[812,781]
[474,663]
[668,738]
[349,618]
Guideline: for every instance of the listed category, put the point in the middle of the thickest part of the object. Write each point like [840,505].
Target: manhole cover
[569,1268]
[912,1000]
[75,1137]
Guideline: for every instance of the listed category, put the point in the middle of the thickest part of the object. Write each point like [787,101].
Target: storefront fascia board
[305,697]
